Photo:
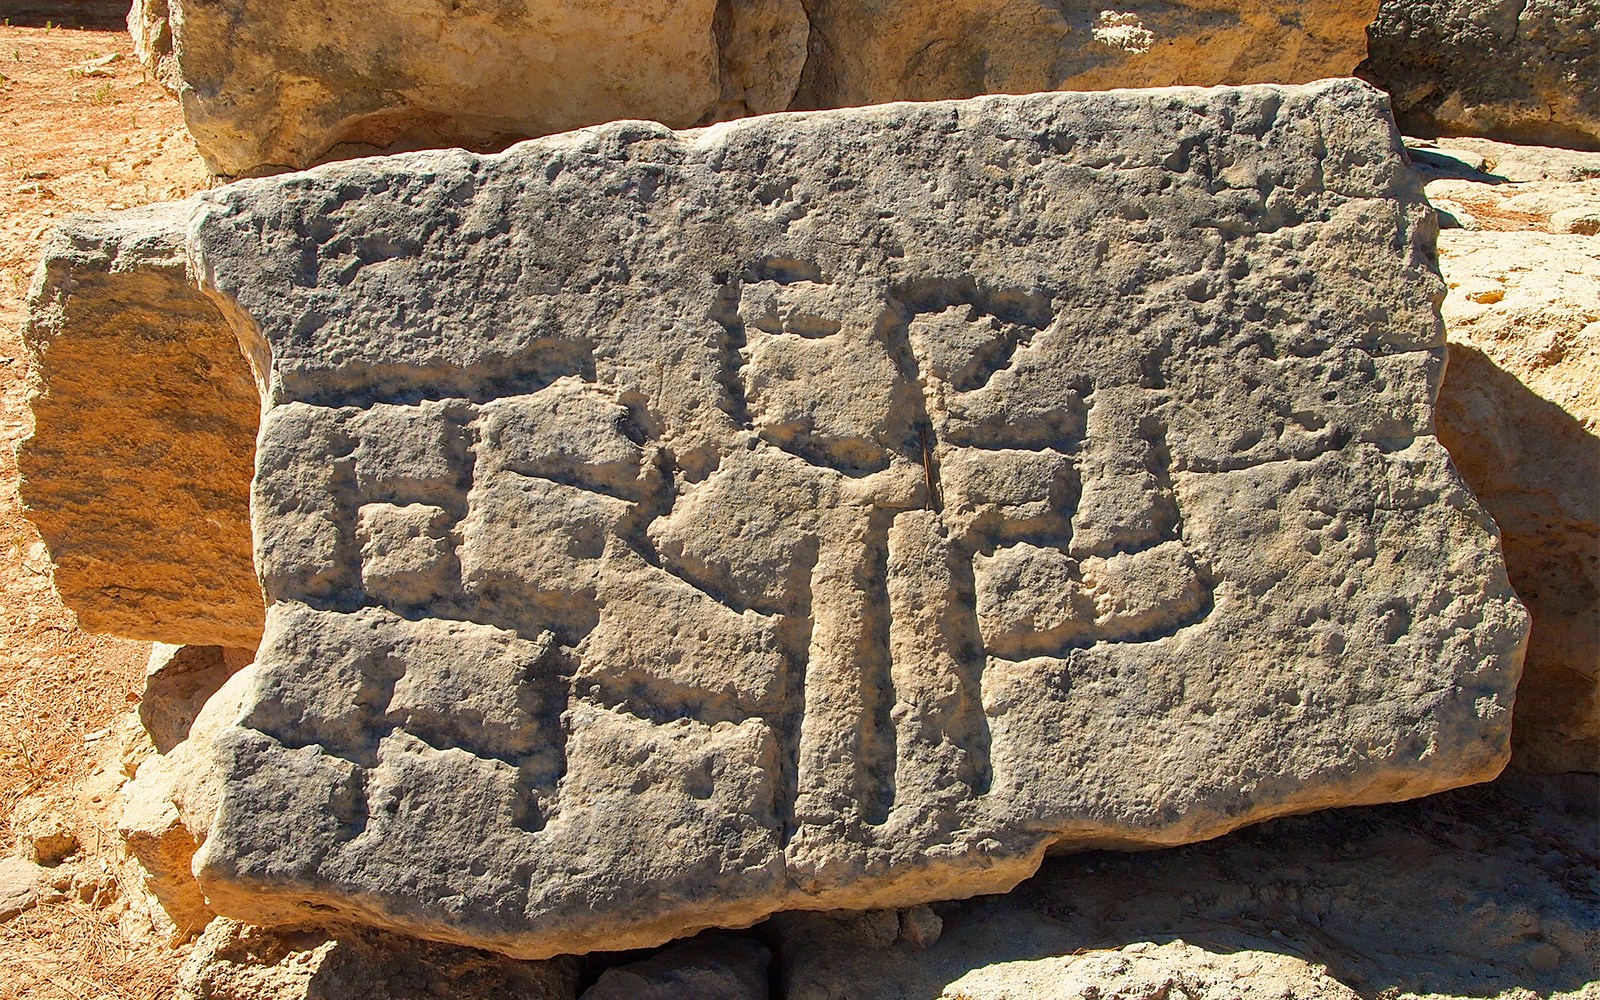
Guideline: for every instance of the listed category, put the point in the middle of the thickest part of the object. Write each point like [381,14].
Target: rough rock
[708,967]
[1518,70]
[1539,206]
[664,530]
[169,806]
[43,834]
[1469,894]
[20,880]
[145,424]
[178,683]
[1520,413]
[232,961]
[150,24]
[266,88]
[1579,220]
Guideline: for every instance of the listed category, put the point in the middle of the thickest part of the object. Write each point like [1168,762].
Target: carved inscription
[885,523]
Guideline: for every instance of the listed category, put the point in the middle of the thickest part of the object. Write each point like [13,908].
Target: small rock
[920,927]
[1454,215]
[179,680]
[46,837]
[19,886]
[1544,958]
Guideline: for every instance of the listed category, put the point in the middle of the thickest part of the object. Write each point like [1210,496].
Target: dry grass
[1492,215]
[71,949]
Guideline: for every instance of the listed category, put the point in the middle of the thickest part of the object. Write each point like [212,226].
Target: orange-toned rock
[1520,414]
[138,470]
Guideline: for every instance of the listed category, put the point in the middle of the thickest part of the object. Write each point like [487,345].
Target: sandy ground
[74,136]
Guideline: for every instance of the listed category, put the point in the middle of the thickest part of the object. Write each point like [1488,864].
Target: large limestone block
[840,510]
[137,472]
[266,86]
[1521,70]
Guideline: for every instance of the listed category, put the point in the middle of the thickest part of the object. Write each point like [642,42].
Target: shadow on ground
[77,15]
[1469,894]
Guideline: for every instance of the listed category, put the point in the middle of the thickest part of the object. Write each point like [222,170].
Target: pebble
[1544,957]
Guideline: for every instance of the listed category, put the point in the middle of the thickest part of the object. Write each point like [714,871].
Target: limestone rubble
[1520,413]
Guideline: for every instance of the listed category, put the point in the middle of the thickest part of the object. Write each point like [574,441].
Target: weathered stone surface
[660,529]
[1520,413]
[170,805]
[44,836]
[145,422]
[709,967]
[231,961]
[869,51]
[20,880]
[178,683]
[1520,70]
[266,87]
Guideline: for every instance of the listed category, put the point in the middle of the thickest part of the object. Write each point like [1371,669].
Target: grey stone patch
[659,529]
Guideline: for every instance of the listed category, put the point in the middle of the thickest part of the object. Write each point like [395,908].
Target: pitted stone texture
[656,526]
[1518,70]
[265,87]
